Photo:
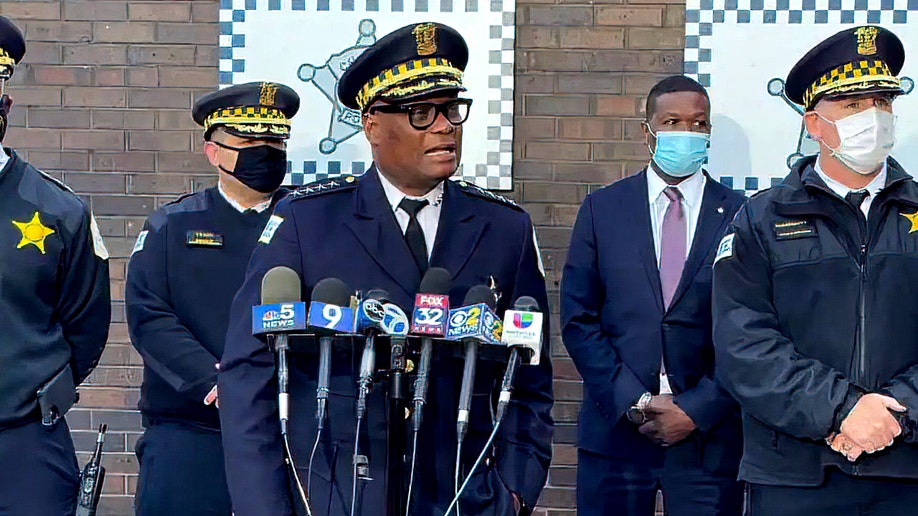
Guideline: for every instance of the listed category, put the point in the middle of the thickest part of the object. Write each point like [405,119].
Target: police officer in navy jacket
[55,312]
[407,88]
[186,266]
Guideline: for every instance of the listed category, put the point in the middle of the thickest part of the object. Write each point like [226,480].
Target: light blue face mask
[680,153]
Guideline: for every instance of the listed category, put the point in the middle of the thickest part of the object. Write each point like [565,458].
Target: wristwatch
[636,413]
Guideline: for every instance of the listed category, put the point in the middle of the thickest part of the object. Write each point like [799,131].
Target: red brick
[58,75]
[528,36]
[121,205]
[123,32]
[124,161]
[618,105]
[109,76]
[674,16]
[556,105]
[553,191]
[19,11]
[176,119]
[589,83]
[161,54]
[536,169]
[620,151]
[184,162]
[94,140]
[655,38]
[95,10]
[56,160]
[589,128]
[115,376]
[158,184]
[531,83]
[58,118]
[532,128]
[555,15]
[187,33]
[595,173]
[23,138]
[187,77]
[635,61]
[558,497]
[631,16]
[94,182]
[167,141]
[123,119]
[95,97]
[43,53]
[205,12]
[552,60]
[641,84]
[205,55]
[95,54]
[159,98]
[592,37]
[36,96]
[559,151]
[58,31]
[142,76]
[161,11]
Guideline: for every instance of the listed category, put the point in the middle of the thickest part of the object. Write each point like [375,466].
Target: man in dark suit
[636,320]
[382,231]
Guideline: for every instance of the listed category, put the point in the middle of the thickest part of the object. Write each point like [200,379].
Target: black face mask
[261,168]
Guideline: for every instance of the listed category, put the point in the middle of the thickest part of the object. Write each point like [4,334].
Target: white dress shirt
[877,184]
[4,159]
[692,190]
[258,208]
[428,216]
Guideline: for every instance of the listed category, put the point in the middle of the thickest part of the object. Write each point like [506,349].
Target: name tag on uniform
[198,238]
[793,229]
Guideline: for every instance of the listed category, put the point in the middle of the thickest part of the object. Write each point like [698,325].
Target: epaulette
[477,191]
[324,186]
[57,182]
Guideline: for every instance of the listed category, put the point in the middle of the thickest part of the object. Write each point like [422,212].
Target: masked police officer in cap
[383,230]
[186,266]
[816,329]
[55,312]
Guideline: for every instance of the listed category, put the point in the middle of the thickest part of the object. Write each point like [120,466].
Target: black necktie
[413,234]
[856,198]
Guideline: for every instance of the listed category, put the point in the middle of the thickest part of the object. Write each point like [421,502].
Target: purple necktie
[672,245]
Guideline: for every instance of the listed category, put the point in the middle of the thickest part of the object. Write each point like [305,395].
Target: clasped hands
[868,428]
[666,423]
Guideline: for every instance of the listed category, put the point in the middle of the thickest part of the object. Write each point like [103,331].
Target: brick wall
[103,102]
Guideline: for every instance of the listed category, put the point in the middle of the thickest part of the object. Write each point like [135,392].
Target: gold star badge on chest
[33,232]
[913,219]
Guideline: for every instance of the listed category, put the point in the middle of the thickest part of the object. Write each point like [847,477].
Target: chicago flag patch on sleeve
[725,249]
[270,228]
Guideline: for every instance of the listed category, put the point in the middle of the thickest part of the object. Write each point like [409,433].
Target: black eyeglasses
[422,115]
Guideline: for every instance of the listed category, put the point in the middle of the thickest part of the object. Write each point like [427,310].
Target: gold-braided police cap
[416,60]
[857,60]
[12,47]
[251,110]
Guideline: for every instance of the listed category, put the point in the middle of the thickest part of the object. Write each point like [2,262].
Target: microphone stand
[396,429]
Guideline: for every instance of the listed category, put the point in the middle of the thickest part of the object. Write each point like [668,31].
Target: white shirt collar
[691,188]
[395,196]
[258,208]
[4,159]
[873,188]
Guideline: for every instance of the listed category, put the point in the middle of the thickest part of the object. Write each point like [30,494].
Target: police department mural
[738,49]
[308,44]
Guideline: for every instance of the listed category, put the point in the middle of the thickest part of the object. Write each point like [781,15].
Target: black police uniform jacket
[813,304]
[54,294]
[187,264]
[346,229]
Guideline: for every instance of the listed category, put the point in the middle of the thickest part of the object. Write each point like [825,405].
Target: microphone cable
[414,456]
[481,456]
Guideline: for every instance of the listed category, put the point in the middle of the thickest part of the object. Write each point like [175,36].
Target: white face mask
[867,138]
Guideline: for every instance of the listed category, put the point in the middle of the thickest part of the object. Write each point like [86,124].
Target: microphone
[472,323]
[523,334]
[371,317]
[429,320]
[280,311]
[328,314]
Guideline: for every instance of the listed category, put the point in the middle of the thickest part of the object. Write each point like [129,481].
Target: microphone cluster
[334,311]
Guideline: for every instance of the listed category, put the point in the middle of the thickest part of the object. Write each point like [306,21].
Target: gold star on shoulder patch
[913,219]
[33,232]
